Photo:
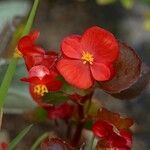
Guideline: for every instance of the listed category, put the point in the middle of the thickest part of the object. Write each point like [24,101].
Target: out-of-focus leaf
[115,119]
[88,124]
[136,89]
[105,2]
[38,141]
[147,21]
[38,115]
[56,144]
[55,98]
[128,4]
[128,69]
[18,138]
[91,108]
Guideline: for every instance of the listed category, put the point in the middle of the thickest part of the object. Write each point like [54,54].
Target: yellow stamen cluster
[17,53]
[87,57]
[40,89]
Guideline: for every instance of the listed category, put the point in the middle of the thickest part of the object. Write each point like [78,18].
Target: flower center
[87,57]
[40,89]
[17,53]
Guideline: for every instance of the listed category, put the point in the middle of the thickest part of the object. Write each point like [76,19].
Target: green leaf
[105,2]
[55,98]
[18,138]
[39,141]
[128,4]
[71,90]
[40,114]
[88,124]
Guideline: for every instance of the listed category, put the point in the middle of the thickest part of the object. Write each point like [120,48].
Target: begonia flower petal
[71,46]
[76,73]
[100,72]
[101,43]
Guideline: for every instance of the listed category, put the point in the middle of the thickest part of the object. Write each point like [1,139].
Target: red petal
[102,129]
[54,85]
[71,46]
[101,43]
[75,72]
[34,80]
[34,35]
[63,111]
[100,72]
[24,42]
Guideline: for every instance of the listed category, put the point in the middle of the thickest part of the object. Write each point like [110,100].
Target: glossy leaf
[115,119]
[127,68]
[55,98]
[137,88]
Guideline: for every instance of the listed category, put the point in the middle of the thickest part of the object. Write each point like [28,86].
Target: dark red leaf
[115,119]
[127,67]
[137,88]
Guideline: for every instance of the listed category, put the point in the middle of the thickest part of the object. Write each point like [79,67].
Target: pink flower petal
[100,72]
[71,46]
[75,72]
[101,43]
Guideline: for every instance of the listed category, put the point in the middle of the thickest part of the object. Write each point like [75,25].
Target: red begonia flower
[63,111]
[33,54]
[26,45]
[88,57]
[41,81]
[111,136]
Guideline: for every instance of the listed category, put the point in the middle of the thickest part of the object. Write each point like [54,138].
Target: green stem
[38,141]
[91,143]
[30,18]
[12,66]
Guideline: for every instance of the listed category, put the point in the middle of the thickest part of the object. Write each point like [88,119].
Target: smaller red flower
[88,57]
[63,111]
[41,81]
[27,46]
[33,54]
[111,137]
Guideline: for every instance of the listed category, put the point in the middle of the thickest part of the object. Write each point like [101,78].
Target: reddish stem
[79,128]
